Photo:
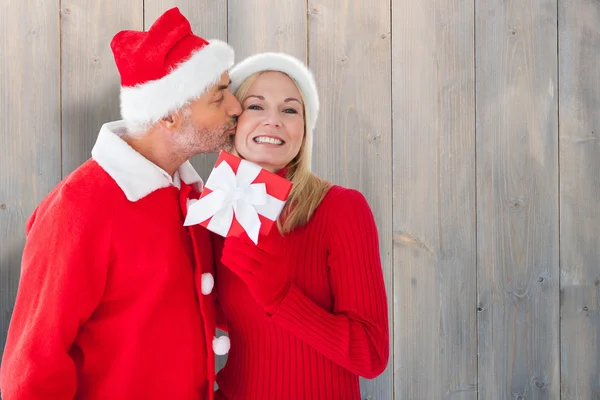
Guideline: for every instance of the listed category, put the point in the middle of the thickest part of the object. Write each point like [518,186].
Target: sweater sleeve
[355,334]
[63,274]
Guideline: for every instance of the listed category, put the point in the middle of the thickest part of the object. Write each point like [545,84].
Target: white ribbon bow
[234,193]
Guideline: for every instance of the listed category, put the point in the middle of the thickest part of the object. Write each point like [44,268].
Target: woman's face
[270,129]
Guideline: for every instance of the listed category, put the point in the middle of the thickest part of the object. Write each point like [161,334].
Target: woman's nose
[272,119]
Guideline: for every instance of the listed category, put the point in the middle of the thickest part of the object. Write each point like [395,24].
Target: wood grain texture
[434,200]
[517,199]
[267,25]
[90,79]
[349,53]
[30,131]
[579,99]
[209,20]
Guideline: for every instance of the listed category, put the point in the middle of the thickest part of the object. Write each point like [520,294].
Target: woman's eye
[254,107]
[290,111]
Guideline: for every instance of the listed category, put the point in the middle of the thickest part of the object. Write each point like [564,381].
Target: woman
[306,308]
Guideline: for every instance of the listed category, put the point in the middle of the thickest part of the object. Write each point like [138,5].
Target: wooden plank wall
[579,103]
[517,199]
[434,200]
[30,135]
[471,127]
[89,79]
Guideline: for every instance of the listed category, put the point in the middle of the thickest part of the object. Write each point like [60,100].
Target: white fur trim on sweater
[136,175]
[207,284]
[283,63]
[221,345]
[147,103]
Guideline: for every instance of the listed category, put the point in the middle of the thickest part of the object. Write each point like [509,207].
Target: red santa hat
[166,67]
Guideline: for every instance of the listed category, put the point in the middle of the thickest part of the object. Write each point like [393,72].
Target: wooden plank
[434,200]
[579,99]
[30,132]
[349,53]
[256,26]
[209,20]
[90,79]
[267,25]
[517,199]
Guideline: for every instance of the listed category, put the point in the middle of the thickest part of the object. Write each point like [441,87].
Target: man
[115,294]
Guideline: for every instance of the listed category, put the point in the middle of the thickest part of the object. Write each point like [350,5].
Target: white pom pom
[221,345]
[208,282]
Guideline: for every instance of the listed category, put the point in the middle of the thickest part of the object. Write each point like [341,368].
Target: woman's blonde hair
[308,189]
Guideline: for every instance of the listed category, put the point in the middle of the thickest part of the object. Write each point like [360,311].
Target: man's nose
[235,107]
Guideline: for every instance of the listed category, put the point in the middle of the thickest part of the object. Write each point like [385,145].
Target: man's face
[208,123]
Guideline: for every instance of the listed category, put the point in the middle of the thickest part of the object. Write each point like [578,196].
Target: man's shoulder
[90,177]
[90,183]
[87,187]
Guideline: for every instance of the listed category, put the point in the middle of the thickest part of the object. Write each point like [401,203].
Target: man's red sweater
[109,304]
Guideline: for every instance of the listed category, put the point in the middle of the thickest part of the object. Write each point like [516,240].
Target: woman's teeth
[262,139]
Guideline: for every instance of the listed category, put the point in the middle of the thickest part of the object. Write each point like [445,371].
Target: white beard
[192,140]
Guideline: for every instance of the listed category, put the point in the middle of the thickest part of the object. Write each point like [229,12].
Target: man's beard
[193,140]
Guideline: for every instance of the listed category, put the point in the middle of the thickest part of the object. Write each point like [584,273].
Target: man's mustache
[231,124]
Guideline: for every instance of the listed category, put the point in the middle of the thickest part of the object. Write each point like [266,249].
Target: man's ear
[172,121]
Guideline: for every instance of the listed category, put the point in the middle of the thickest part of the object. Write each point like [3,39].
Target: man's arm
[63,275]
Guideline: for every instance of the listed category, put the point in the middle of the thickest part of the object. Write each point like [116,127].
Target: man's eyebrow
[223,87]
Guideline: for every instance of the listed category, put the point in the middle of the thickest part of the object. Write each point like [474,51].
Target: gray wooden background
[473,128]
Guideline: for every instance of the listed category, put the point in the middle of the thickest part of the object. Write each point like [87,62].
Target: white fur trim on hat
[283,63]
[207,284]
[221,345]
[147,103]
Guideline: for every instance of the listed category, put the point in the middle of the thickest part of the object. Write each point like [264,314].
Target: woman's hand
[261,267]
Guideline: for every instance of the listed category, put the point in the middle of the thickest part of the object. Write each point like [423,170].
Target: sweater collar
[136,175]
[283,172]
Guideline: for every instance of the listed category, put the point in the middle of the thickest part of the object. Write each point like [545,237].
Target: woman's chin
[269,165]
[263,160]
